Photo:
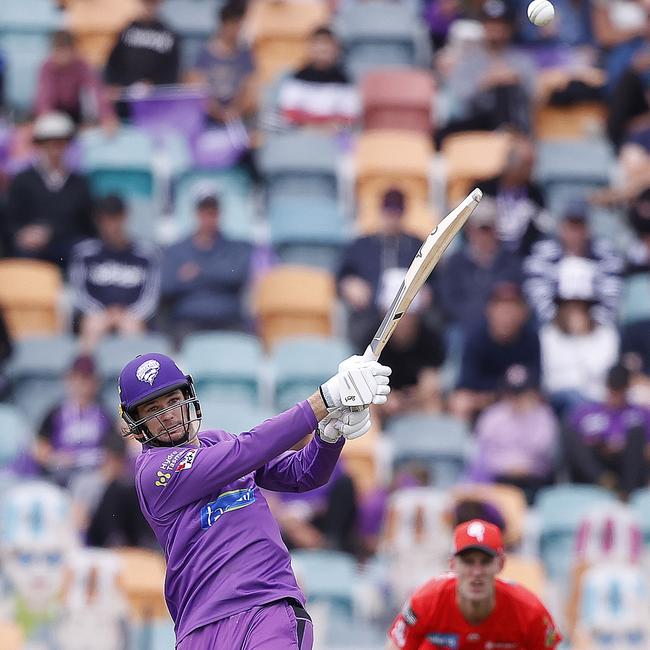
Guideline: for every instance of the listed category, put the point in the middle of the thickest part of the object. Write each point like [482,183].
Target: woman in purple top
[229,582]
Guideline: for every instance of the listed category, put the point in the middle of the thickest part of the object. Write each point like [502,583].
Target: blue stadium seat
[237,207]
[560,509]
[635,299]
[228,361]
[36,369]
[327,576]
[302,364]
[640,503]
[304,232]
[300,164]
[30,17]
[440,441]
[230,414]
[16,435]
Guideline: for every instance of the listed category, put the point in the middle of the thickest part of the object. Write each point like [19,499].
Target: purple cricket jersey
[223,547]
[599,423]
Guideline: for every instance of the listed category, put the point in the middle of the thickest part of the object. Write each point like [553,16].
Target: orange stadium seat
[11,635]
[361,460]
[294,300]
[30,293]
[397,98]
[96,24]
[527,571]
[141,579]
[387,158]
[472,156]
[279,31]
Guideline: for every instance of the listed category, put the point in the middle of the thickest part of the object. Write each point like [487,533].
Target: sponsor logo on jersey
[501,645]
[551,636]
[226,502]
[162,478]
[398,633]
[148,371]
[187,461]
[442,640]
[409,615]
[171,459]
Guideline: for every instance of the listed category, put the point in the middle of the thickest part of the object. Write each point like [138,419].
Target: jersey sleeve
[410,626]
[173,478]
[542,631]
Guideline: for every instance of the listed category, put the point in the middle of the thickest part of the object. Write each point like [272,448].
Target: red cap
[478,535]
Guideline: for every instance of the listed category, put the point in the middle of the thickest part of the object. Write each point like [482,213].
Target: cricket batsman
[229,583]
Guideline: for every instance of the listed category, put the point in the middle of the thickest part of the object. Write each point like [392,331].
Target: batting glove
[358,383]
[346,423]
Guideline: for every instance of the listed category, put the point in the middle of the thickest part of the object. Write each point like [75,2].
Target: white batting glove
[346,423]
[357,384]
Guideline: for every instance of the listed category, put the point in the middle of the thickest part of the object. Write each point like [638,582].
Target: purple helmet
[148,377]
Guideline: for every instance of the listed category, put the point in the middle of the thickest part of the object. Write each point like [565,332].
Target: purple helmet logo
[148,371]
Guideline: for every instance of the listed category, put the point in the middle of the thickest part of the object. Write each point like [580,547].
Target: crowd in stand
[520,334]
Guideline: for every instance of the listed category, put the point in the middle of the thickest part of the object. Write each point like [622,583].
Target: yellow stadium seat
[292,301]
[528,572]
[473,156]
[142,578]
[387,158]
[361,462]
[30,293]
[279,31]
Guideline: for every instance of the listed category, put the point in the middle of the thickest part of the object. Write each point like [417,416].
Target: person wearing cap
[205,276]
[505,338]
[517,436]
[115,280]
[467,276]
[493,85]
[72,434]
[607,440]
[573,239]
[229,582]
[364,262]
[576,350]
[473,607]
[49,207]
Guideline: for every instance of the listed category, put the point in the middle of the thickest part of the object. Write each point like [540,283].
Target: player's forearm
[317,405]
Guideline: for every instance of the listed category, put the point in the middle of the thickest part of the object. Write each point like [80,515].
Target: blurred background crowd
[243,184]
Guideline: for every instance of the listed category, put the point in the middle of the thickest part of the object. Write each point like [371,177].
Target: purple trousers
[282,625]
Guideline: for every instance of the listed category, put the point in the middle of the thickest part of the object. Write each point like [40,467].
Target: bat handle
[369,355]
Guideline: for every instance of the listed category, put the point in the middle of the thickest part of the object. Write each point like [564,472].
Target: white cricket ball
[540,12]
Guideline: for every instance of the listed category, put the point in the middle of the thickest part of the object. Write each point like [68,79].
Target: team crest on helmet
[148,371]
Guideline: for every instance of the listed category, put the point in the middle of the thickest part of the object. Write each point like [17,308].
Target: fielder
[472,609]
[229,583]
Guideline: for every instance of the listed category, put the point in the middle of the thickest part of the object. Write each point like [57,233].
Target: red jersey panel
[431,620]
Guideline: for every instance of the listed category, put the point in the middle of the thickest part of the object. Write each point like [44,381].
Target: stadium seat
[234,415]
[304,232]
[228,361]
[388,158]
[635,299]
[16,435]
[560,509]
[527,571]
[279,32]
[363,462]
[30,295]
[509,500]
[326,576]
[395,98]
[301,364]
[640,503]
[12,636]
[36,369]
[292,301]
[300,164]
[237,207]
[439,441]
[472,156]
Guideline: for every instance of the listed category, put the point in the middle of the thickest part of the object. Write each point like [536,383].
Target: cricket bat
[423,263]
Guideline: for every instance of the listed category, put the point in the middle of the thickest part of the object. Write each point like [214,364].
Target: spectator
[320,93]
[638,256]
[517,436]
[226,65]
[606,440]
[365,261]
[493,85]
[6,350]
[468,275]
[507,338]
[416,350]
[72,435]
[439,16]
[116,282]
[204,276]
[146,54]
[66,83]
[49,206]
[521,216]
[573,240]
[576,350]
